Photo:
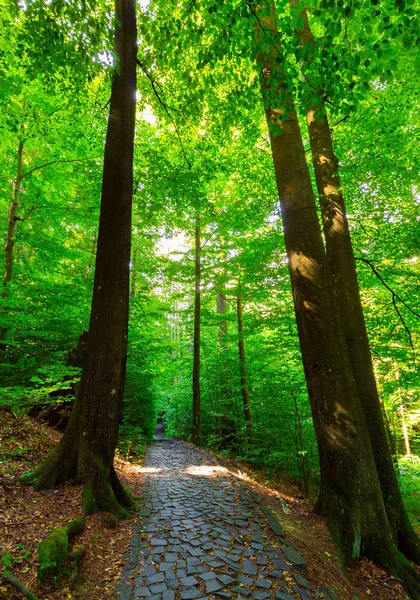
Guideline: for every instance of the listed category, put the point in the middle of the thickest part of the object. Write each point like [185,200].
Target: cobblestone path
[203,534]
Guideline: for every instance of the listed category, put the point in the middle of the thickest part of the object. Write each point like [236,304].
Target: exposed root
[409,576]
[55,549]
[19,586]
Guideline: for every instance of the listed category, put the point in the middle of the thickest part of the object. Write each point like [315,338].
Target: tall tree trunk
[12,218]
[350,490]
[343,268]
[86,451]
[195,433]
[221,310]
[242,367]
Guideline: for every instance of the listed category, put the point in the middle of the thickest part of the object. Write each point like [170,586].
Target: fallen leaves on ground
[27,516]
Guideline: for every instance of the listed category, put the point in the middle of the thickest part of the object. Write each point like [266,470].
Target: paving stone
[295,558]
[226,579]
[158,542]
[257,546]
[304,593]
[281,565]
[189,581]
[149,570]
[171,557]
[260,595]
[302,581]
[158,588]
[276,574]
[242,591]
[249,568]
[263,583]
[141,591]
[189,593]
[246,580]
[156,578]
[207,575]
[168,595]
[215,564]
[213,585]
[232,558]
[284,596]
[172,584]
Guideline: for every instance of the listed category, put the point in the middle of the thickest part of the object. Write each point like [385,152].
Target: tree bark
[350,491]
[343,268]
[86,451]
[221,310]
[195,433]
[242,367]
[12,218]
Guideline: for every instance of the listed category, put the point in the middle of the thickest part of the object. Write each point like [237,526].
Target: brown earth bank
[27,516]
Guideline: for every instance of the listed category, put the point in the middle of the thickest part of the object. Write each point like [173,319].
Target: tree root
[19,586]
[55,549]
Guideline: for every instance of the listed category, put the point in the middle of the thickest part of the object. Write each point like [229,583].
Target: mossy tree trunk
[343,268]
[350,492]
[86,451]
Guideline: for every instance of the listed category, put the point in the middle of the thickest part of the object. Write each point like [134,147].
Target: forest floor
[27,516]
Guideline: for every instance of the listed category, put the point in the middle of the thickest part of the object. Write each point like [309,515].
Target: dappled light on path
[206,470]
[202,534]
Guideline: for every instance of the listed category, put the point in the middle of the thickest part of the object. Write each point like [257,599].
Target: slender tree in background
[86,451]
[242,367]
[12,219]
[343,268]
[221,310]
[350,493]
[196,416]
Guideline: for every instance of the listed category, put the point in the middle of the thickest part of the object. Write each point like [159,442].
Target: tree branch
[381,279]
[164,106]
[58,160]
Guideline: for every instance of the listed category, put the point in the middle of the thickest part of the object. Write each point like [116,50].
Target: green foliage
[409,478]
[206,151]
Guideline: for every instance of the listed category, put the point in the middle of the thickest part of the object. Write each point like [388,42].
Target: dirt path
[202,534]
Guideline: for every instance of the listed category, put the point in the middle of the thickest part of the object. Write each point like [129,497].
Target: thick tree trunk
[350,491]
[86,451]
[195,433]
[343,268]
[12,218]
[242,367]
